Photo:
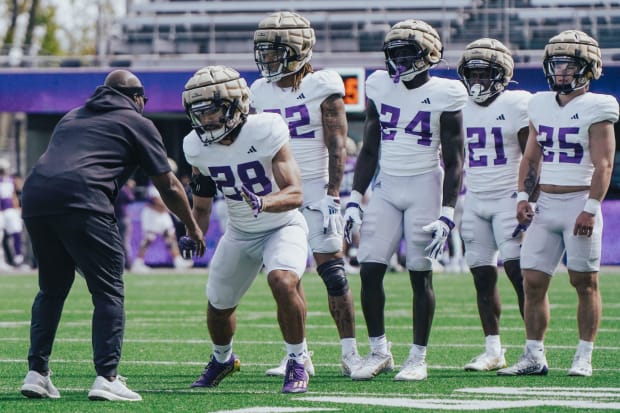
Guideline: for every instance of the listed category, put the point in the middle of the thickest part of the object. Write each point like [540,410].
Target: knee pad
[332,273]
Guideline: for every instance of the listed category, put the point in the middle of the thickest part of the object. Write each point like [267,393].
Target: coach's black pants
[90,243]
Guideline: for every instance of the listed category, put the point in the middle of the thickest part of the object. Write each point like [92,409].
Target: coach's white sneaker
[112,390]
[281,369]
[582,366]
[38,386]
[350,363]
[487,362]
[414,369]
[373,364]
[528,365]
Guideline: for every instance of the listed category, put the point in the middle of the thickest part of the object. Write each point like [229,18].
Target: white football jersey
[409,119]
[492,151]
[301,109]
[247,160]
[563,134]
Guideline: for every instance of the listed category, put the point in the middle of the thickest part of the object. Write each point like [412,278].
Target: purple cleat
[296,378]
[215,372]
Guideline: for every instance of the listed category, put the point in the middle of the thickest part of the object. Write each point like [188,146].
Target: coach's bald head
[122,78]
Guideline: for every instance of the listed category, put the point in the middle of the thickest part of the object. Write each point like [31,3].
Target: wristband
[522,196]
[448,212]
[592,206]
[355,197]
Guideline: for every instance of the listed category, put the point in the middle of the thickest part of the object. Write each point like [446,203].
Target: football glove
[329,206]
[254,201]
[187,247]
[440,230]
[353,216]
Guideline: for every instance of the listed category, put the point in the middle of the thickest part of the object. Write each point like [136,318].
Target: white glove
[440,230]
[353,215]
[329,206]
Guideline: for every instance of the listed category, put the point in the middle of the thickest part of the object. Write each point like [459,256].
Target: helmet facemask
[405,59]
[558,68]
[215,130]
[482,79]
[274,60]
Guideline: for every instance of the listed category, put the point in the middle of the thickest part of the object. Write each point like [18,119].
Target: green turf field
[167,346]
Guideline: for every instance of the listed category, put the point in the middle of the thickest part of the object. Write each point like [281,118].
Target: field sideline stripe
[311,343]
[202,363]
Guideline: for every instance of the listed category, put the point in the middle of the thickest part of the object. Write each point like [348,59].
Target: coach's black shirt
[92,152]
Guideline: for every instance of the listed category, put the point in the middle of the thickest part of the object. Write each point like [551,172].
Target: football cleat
[582,366]
[296,378]
[374,364]
[38,386]
[349,363]
[116,390]
[280,371]
[487,362]
[414,369]
[215,372]
[526,366]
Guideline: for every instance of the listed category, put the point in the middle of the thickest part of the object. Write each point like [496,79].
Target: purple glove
[519,229]
[187,247]
[254,201]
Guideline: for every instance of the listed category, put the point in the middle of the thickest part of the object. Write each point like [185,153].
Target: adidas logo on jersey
[252,149]
[501,117]
[427,101]
[575,116]
[302,96]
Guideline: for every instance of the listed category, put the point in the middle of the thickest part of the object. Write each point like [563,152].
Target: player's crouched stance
[248,158]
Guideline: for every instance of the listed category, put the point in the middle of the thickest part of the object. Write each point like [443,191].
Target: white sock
[348,345]
[584,348]
[222,353]
[417,352]
[297,352]
[493,345]
[536,348]
[378,344]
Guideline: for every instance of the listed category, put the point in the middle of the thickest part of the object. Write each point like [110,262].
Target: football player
[496,127]
[411,118]
[13,225]
[570,151]
[311,102]
[249,160]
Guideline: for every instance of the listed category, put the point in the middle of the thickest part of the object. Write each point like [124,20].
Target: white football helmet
[411,47]
[211,89]
[492,57]
[282,45]
[575,52]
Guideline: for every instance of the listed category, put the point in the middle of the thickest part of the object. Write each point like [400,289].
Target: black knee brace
[332,273]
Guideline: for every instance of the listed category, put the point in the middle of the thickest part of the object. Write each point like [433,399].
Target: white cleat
[140,267]
[350,363]
[487,362]
[582,366]
[413,370]
[526,366]
[116,390]
[281,369]
[38,386]
[373,364]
